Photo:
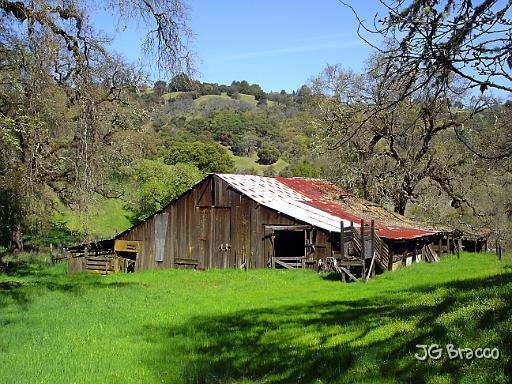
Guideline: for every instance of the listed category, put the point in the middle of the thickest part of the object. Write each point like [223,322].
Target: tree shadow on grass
[23,280]
[349,341]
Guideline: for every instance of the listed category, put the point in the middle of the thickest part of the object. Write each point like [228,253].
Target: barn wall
[197,230]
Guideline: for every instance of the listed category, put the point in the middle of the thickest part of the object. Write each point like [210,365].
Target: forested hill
[267,133]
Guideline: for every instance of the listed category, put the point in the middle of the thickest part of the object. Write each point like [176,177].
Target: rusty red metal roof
[322,204]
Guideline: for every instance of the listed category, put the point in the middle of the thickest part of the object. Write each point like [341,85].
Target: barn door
[289,246]
[222,238]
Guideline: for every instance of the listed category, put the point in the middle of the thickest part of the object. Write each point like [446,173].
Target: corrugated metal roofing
[318,202]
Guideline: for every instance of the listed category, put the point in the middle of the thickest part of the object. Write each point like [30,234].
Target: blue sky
[278,44]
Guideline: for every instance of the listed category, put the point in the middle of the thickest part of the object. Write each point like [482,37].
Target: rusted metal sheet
[319,203]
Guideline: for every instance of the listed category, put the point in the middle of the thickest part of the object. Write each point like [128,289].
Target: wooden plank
[186,261]
[161,222]
[288,227]
[342,239]
[351,263]
[127,246]
[363,255]
[381,265]
[371,268]
[96,263]
[279,262]
[98,258]
[348,273]
[372,250]
[430,248]
[100,272]
[286,258]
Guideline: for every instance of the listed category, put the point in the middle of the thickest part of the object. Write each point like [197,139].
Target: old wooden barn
[245,221]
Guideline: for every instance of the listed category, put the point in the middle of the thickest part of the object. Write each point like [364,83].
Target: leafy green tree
[63,98]
[303,94]
[160,87]
[155,184]
[245,145]
[302,169]
[207,157]
[182,83]
[268,154]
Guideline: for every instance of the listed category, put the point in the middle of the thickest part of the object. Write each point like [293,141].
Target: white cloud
[284,51]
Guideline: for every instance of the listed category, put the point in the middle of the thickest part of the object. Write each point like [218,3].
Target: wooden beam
[277,261]
[390,260]
[348,273]
[288,227]
[342,239]
[372,265]
[363,253]
[372,234]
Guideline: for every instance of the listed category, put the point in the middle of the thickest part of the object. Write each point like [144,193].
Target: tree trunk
[400,204]
[17,241]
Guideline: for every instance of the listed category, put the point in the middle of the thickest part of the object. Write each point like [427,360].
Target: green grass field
[268,326]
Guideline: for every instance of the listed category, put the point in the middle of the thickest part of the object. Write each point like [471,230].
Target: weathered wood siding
[210,226]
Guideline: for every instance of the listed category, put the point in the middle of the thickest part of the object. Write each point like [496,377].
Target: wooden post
[440,247]
[448,251]
[459,241]
[406,254]
[84,262]
[363,256]
[372,236]
[390,260]
[342,240]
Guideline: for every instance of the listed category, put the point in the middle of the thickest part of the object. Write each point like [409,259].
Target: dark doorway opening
[290,243]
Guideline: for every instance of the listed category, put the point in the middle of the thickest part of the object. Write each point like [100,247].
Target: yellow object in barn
[127,246]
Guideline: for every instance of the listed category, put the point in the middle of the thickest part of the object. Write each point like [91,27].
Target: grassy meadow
[259,326]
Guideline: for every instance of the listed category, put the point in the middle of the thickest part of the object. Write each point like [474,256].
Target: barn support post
[440,246]
[406,254]
[342,240]
[390,260]
[372,234]
[448,251]
[363,253]
[459,241]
